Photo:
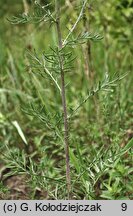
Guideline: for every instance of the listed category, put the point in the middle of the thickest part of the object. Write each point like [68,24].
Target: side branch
[75,25]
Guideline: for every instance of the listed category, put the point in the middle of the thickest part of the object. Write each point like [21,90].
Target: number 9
[124,206]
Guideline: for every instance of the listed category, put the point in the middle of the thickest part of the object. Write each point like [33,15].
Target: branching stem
[75,24]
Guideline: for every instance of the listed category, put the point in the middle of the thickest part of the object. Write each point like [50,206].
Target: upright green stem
[64,105]
[26,7]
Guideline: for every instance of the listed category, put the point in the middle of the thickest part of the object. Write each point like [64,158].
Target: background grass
[101,129]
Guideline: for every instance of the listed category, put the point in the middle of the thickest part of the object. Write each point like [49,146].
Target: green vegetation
[66,99]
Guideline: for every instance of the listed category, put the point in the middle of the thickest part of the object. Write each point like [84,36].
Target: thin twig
[26,7]
[45,69]
[105,86]
[54,80]
[75,24]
